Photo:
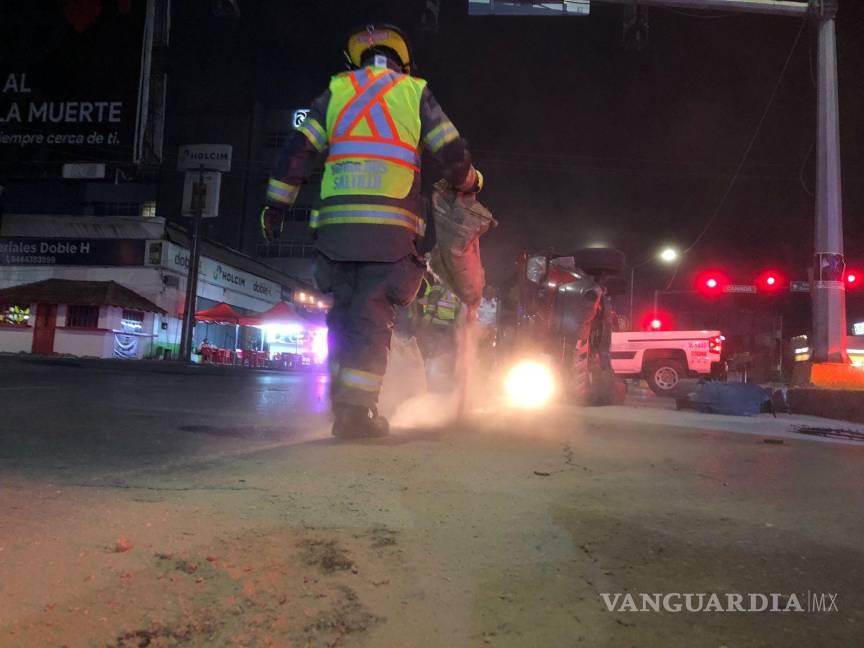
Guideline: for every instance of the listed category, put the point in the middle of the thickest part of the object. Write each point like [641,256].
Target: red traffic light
[771,280]
[853,278]
[711,283]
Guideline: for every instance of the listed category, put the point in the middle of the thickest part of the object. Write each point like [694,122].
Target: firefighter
[373,122]
[442,306]
[437,334]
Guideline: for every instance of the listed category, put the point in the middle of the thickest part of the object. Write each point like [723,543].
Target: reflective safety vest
[373,132]
[442,306]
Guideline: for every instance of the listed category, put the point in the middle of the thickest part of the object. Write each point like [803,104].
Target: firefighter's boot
[358,422]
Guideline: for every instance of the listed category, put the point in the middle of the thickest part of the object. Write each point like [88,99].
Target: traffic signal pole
[828,292]
[828,289]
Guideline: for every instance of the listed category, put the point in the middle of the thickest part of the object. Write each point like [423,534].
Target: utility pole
[203,196]
[199,194]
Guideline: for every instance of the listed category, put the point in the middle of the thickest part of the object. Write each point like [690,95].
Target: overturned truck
[564,315]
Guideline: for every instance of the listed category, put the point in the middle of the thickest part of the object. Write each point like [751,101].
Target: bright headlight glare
[529,384]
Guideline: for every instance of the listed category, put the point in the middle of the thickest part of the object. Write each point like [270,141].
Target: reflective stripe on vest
[363,101]
[374,150]
[364,214]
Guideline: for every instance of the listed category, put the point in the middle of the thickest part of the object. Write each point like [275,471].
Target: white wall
[81,342]
[14,339]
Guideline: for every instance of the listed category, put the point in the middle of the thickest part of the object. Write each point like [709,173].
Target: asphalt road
[152,509]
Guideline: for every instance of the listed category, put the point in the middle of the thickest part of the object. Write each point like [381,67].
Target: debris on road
[736,399]
[326,554]
[123,545]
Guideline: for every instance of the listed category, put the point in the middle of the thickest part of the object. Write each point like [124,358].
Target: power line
[744,157]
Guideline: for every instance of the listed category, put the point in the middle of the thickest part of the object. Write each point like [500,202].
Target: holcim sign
[176,258]
[214,157]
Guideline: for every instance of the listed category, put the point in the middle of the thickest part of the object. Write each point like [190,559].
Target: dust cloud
[411,403]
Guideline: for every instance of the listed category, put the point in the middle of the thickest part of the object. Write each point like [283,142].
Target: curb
[841,404]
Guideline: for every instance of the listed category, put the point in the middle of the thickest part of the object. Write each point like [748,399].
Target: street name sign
[745,289]
[84,171]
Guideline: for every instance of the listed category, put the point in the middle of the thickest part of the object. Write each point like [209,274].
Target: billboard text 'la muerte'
[69,78]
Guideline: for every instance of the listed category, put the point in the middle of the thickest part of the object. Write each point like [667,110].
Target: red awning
[221,313]
[281,313]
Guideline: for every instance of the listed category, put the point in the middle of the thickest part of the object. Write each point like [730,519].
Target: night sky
[584,141]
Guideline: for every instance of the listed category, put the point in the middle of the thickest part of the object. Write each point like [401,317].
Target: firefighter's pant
[361,321]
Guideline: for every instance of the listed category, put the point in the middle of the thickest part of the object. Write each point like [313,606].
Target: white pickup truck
[664,358]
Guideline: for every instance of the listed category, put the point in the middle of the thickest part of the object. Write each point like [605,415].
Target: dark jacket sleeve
[441,138]
[296,159]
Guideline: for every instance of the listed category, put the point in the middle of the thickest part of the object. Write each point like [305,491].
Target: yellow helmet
[381,37]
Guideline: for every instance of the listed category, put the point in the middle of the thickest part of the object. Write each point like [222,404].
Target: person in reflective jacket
[372,123]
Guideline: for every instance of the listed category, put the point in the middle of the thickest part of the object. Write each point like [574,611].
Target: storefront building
[146,256]
[85,318]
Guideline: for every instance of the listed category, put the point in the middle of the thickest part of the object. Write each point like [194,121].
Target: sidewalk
[151,366]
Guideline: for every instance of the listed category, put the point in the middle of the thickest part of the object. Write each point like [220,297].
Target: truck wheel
[664,376]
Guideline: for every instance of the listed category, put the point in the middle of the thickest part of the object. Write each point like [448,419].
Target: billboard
[69,80]
[528,8]
[78,252]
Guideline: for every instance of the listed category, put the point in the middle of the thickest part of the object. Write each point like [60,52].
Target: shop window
[148,209]
[133,321]
[79,316]
[14,315]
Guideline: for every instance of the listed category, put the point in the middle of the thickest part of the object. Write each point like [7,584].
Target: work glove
[473,183]
[272,219]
